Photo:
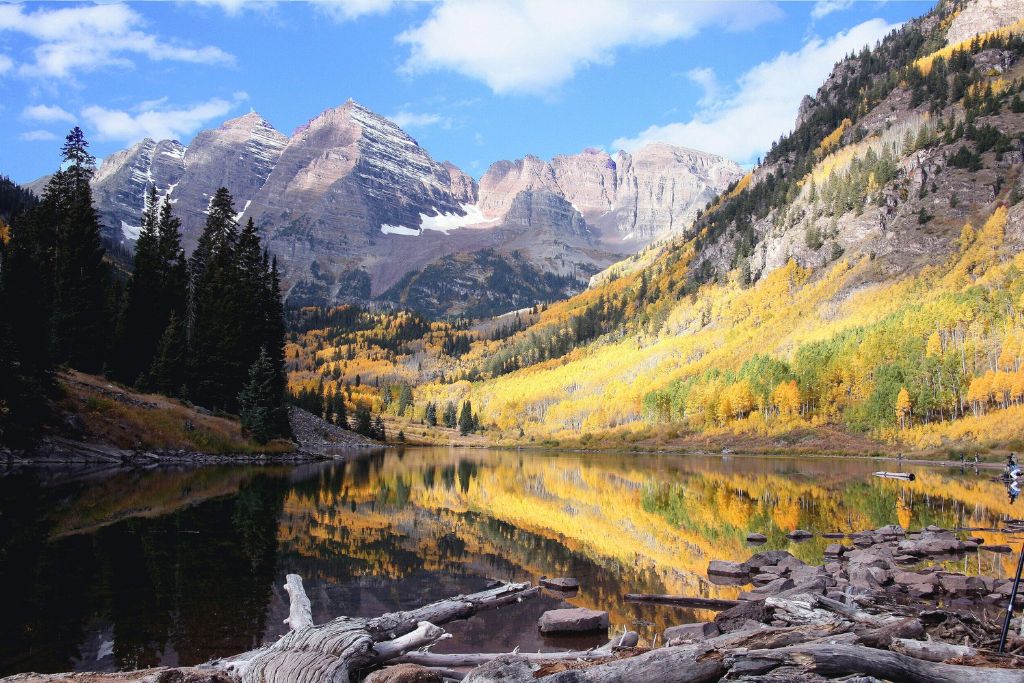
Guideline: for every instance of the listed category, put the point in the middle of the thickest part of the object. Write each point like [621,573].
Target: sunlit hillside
[867,276]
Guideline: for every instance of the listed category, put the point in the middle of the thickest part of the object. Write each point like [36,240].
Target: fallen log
[682,601]
[834,661]
[333,651]
[434,660]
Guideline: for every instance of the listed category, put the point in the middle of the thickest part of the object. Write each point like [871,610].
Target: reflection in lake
[132,569]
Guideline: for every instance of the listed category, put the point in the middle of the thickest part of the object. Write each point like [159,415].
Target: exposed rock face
[632,198]
[238,155]
[121,183]
[351,205]
[981,16]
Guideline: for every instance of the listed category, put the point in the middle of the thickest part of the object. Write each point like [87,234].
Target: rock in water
[572,620]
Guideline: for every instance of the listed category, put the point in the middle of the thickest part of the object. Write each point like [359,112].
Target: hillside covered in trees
[208,329]
[866,277]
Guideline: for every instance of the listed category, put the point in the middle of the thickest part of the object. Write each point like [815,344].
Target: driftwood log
[682,601]
[334,651]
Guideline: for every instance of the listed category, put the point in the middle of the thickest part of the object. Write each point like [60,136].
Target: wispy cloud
[408,119]
[823,8]
[536,45]
[6,64]
[37,136]
[339,10]
[74,39]
[47,114]
[765,101]
[160,123]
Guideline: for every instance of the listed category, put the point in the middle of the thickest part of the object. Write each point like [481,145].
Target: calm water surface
[109,570]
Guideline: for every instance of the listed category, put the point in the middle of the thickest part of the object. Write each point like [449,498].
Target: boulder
[799,535]
[691,632]
[834,550]
[560,584]
[572,620]
[764,579]
[834,534]
[732,570]
[404,673]
[766,558]
[756,538]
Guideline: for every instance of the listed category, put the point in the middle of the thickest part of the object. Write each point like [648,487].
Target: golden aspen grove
[867,278]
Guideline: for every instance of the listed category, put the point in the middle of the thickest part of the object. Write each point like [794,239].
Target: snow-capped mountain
[353,207]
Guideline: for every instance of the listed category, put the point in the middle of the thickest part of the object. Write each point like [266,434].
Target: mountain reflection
[179,566]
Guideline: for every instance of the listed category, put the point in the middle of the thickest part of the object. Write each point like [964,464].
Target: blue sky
[473,82]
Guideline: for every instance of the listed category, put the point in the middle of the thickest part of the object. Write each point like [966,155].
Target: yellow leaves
[737,400]
[5,233]
[833,138]
[934,345]
[903,407]
[924,64]
[786,398]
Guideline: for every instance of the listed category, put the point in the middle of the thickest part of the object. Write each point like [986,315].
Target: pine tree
[431,414]
[404,398]
[385,397]
[364,421]
[378,429]
[79,323]
[450,415]
[260,405]
[466,419]
[217,310]
[340,412]
[155,293]
[168,373]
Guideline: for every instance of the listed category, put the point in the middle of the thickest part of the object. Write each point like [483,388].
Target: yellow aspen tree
[786,398]
[903,407]
[934,345]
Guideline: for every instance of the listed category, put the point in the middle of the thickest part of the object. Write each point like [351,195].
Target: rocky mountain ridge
[351,204]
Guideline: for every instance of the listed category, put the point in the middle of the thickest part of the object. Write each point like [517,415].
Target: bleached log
[833,661]
[931,650]
[300,613]
[423,635]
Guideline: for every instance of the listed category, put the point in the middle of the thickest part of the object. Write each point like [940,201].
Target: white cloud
[706,79]
[345,10]
[535,45]
[73,39]
[408,119]
[158,123]
[765,101]
[37,136]
[5,64]
[823,8]
[339,10]
[47,113]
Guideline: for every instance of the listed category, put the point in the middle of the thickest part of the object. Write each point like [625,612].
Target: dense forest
[209,329]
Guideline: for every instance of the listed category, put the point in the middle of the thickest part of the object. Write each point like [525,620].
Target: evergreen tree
[431,415]
[155,293]
[385,397]
[80,320]
[168,373]
[364,421]
[340,412]
[260,404]
[26,286]
[404,398]
[449,415]
[466,419]
[378,429]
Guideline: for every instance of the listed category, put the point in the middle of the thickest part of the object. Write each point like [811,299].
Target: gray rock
[501,670]
[756,538]
[733,570]
[799,535]
[561,584]
[572,620]
[691,632]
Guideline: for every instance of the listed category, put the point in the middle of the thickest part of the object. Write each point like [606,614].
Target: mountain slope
[869,277]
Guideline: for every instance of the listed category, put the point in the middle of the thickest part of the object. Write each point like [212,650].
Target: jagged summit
[350,203]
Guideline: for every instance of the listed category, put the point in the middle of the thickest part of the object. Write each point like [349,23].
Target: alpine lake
[106,569]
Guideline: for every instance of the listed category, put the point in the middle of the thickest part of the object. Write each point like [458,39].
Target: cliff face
[981,16]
